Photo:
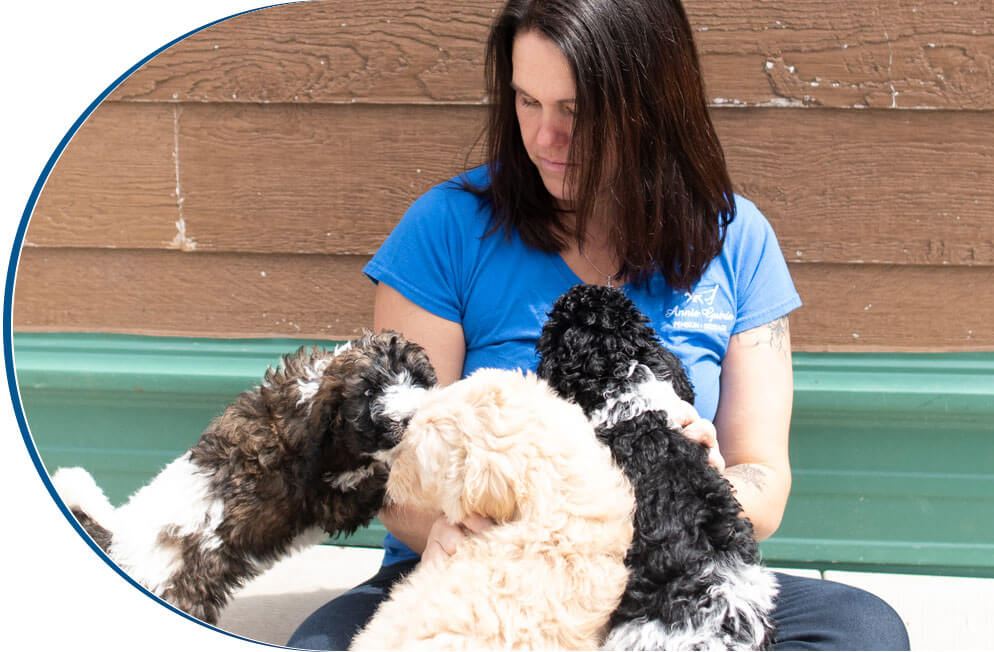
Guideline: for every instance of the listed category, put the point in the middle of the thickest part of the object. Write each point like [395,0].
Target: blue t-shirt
[500,290]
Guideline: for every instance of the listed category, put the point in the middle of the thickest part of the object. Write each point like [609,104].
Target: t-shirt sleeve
[764,288]
[421,258]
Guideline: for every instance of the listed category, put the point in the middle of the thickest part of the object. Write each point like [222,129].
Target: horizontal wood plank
[847,307]
[310,179]
[873,186]
[876,186]
[377,50]
[115,183]
[885,54]
[186,294]
[893,308]
[877,54]
[284,178]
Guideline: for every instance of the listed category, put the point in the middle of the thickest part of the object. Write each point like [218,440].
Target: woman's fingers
[445,538]
[476,523]
[703,431]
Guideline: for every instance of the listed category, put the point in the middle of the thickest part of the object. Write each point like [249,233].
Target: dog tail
[87,502]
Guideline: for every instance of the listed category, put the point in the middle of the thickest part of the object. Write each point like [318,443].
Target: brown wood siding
[210,295]
[876,54]
[236,184]
[856,306]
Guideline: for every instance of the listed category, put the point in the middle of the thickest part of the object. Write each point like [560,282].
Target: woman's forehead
[541,69]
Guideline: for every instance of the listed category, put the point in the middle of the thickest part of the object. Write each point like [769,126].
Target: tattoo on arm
[775,335]
[753,474]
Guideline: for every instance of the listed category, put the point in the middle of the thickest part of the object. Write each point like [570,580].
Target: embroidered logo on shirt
[698,311]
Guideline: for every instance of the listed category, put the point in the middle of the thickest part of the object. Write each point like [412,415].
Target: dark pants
[810,615]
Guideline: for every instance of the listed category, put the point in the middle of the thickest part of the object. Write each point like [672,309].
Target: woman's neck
[591,255]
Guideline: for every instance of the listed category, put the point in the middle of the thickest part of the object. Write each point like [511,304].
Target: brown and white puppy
[551,571]
[288,462]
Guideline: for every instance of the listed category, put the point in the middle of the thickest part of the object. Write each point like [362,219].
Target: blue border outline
[7,320]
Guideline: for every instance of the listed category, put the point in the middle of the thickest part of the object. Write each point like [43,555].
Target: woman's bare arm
[753,421]
[445,344]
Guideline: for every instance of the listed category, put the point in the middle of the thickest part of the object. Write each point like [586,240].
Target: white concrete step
[271,607]
[941,613]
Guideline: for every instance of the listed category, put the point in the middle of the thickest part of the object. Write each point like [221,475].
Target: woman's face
[545,101]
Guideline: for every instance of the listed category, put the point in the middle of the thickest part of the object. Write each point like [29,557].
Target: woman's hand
[444,538]
[700,430]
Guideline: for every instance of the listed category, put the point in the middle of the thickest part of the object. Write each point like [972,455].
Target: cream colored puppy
[551,571]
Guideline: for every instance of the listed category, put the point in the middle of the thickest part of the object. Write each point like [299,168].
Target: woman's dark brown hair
[642,136]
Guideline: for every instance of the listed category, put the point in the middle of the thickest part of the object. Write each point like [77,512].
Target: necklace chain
[610,277]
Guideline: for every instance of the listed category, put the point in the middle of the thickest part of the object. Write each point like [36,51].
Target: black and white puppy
[696,582]
[298,457]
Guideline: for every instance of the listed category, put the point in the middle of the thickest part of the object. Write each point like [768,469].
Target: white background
[57,57]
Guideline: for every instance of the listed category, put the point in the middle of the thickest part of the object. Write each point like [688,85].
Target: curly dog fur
[551,571]
[291,460]
[696,582]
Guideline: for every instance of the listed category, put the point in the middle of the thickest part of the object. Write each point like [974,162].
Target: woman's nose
[552,132]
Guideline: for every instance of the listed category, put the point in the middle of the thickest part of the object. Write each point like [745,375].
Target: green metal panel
[893,458]
[123,407]
[893,454]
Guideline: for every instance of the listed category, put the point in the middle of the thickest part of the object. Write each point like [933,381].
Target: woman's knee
[870,621]
[820,614]
[333,626]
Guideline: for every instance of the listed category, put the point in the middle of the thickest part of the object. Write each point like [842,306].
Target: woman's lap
[332,626]
[814,614]
[810,614]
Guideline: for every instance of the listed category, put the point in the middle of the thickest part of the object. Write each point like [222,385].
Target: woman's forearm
[762,492]
[753,421]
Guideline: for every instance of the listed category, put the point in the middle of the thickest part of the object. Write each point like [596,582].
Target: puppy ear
[420,466]
[404,484]
[489,485]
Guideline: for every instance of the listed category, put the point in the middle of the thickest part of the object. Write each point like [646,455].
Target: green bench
[893,454]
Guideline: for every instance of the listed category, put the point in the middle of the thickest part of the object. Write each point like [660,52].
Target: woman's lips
[558,166]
